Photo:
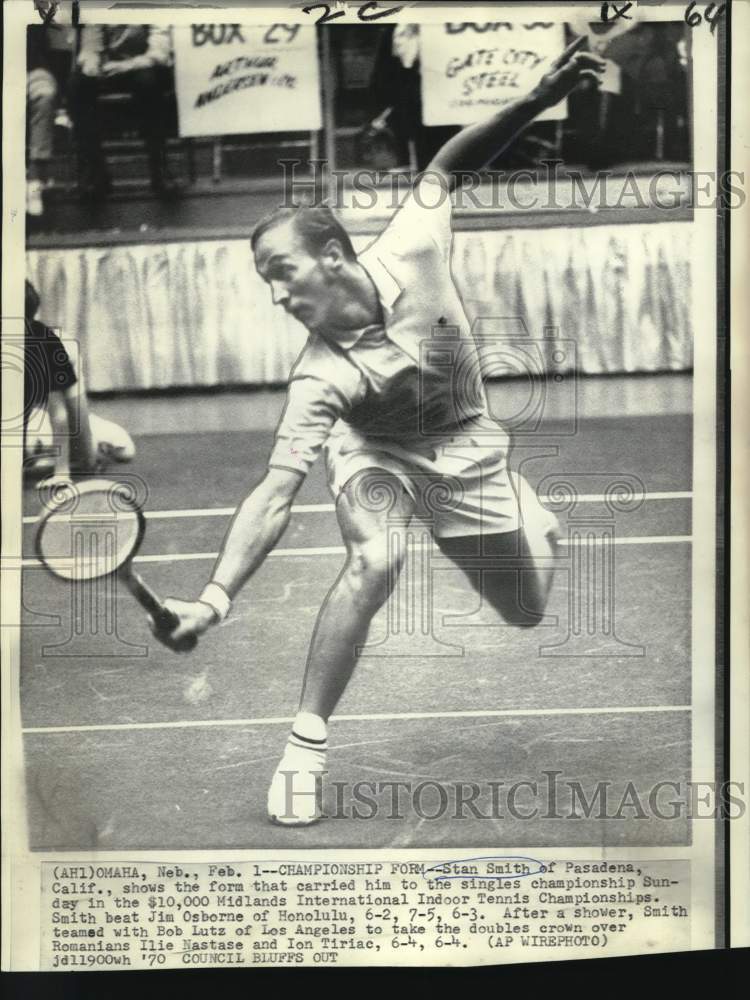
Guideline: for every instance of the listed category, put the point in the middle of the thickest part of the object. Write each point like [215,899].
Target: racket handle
[148,600]
[165,621]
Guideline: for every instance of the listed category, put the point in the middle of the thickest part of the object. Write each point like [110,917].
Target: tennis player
[391,423]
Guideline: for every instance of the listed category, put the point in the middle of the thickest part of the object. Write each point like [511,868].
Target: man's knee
[371,572]
[372,510]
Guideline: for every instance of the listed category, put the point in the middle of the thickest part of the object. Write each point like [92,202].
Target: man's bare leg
[519,583]
[372,510]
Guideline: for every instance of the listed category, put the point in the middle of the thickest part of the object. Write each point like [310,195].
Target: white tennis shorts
[460,484]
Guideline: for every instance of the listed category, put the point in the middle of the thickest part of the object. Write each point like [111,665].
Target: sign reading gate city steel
[470,70]
[237,78]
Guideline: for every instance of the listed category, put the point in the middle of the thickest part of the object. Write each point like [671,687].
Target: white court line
[339,550]
[329,508]
[644,540]
[399,716]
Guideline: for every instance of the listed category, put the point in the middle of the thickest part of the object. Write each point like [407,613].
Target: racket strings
[89,537]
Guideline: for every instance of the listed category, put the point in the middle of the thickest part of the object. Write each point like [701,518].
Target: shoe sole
[294,822]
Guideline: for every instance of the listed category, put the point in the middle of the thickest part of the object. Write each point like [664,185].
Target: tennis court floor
[130,746]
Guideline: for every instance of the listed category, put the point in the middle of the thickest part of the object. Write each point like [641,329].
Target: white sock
[294,797]
[309,732]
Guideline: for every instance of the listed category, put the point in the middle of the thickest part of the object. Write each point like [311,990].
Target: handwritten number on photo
[711,15]
[327,16]
[367,12]
[611,12]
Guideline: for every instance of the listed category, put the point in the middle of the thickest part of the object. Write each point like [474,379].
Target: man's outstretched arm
[313,407]
[256,528]
[478,144]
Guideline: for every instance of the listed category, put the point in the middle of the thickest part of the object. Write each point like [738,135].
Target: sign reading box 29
[237,78]
[471,70]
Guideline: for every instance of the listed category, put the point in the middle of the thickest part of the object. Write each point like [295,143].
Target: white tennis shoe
[295,797]
[34,203]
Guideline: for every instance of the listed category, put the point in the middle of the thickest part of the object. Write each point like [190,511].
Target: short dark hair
[316,224]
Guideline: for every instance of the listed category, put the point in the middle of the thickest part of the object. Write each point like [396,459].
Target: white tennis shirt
[410,381]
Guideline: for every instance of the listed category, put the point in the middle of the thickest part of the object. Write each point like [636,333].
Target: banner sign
[470,70]
[237,78]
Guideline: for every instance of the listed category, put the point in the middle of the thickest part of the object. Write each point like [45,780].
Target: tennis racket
[93,530]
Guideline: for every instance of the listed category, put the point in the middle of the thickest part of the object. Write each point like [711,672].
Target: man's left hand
[567,71]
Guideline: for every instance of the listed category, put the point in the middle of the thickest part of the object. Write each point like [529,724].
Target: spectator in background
[397,86]
[62,436]
[599,113]
[655,88]
[664,87]
[134,59]
[42,91]
[406,89]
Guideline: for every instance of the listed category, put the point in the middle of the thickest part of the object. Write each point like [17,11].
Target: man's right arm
[477,144]
[313,407]
[259,523]
[257,526]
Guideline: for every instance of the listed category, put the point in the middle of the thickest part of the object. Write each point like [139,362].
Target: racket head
[89,530]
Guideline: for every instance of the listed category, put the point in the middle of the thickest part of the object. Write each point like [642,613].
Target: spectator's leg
[83,92]
[41,99]
[110,441]
[148,87]
[41,95]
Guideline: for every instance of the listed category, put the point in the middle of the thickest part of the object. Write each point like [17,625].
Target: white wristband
[217,598]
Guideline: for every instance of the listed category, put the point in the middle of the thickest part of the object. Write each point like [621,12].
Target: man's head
[302,254]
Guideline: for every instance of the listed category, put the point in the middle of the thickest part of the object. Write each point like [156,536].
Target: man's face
[299,282]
